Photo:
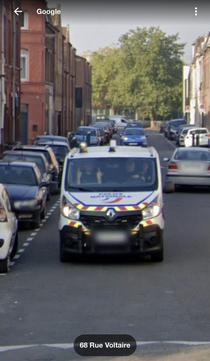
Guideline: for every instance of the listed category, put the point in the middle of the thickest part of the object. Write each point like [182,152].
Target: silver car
[189,166]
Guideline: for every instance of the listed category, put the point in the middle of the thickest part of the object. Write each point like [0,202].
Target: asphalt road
[46,305]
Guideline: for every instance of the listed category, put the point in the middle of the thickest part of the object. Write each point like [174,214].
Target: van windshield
[111,174]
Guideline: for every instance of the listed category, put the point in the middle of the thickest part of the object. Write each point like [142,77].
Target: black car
[173,126]
[27,190]
[51,158]
[31,157]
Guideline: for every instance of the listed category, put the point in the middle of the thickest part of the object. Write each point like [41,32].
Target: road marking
[29,239]
[66,346]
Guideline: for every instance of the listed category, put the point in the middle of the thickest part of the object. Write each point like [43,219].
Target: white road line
[16,256]
[21,250]
[33,234]
[25,244]
[29,239]
[12,263]
[66,346]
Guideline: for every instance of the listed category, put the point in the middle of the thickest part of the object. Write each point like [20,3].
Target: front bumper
[28,214]
[147,240]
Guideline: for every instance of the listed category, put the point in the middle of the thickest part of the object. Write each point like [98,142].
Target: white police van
[111,202]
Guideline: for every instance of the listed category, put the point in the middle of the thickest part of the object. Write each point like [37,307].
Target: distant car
[51,158]
[82,132]
[46,138]
[134,136]
[173,126]
[27,190]
[181,133]
[8,230]
[106,124]
[106,130]
[37,158]
[202,134]
[121,121]
[135,124]
[163,125]
[189,166]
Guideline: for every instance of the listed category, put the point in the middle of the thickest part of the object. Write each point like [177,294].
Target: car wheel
[158,257]
[4,265]
[43,212]
[36,224]
[48,196]
[15,247]
[64,257]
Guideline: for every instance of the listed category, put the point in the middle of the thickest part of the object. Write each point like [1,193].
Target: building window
[24,20]
[24,65]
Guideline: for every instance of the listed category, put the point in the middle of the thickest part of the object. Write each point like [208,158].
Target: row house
[196,84]
[49,75]
[83,92]
[9,73]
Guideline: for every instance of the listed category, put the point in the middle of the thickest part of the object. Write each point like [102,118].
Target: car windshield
[111,174]
[132,131]
[25,158]
[199,155]
[84,132]
[59,150]
[12,174]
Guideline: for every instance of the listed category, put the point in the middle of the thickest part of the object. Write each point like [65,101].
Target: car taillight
[172,165]
[181,137]
[187,137]
[3,215]
[208,167]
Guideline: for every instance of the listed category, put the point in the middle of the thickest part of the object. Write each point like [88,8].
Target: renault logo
[111,214]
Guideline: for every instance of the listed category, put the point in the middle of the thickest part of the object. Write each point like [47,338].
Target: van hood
[111,199]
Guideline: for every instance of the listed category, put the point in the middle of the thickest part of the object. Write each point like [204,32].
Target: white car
[8,231]
[202,133]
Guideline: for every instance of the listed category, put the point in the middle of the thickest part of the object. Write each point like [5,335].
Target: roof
[193,149]
[18,163]
[53,142]
[120,152]
[24,153]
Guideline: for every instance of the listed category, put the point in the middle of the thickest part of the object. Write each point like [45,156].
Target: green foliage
[144,72]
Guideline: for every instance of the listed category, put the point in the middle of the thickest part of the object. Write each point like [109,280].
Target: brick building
[83,91]
[33,48]
[9,72]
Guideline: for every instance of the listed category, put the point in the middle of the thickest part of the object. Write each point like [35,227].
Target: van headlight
[152,211]
[68,210]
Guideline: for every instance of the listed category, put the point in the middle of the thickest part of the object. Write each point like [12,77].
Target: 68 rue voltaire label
[105,345]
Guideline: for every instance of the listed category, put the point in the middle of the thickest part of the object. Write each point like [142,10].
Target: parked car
[95,137]
[200,134]
[27,190]
[60,150]
[181,133]
[107,126]
[105,130]
[8,230]
[189,166]
[163,126]
[37,158]
[46,138]
[173,126]
[134,136]
[51,158]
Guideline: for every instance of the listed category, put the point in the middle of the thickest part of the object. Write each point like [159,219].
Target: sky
[97,24]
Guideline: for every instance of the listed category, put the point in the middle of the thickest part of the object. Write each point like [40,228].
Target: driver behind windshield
[89,173]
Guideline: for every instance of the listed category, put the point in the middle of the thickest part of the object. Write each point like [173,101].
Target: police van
[111,202]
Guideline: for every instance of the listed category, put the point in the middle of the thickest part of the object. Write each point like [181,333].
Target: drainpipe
[13,76]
